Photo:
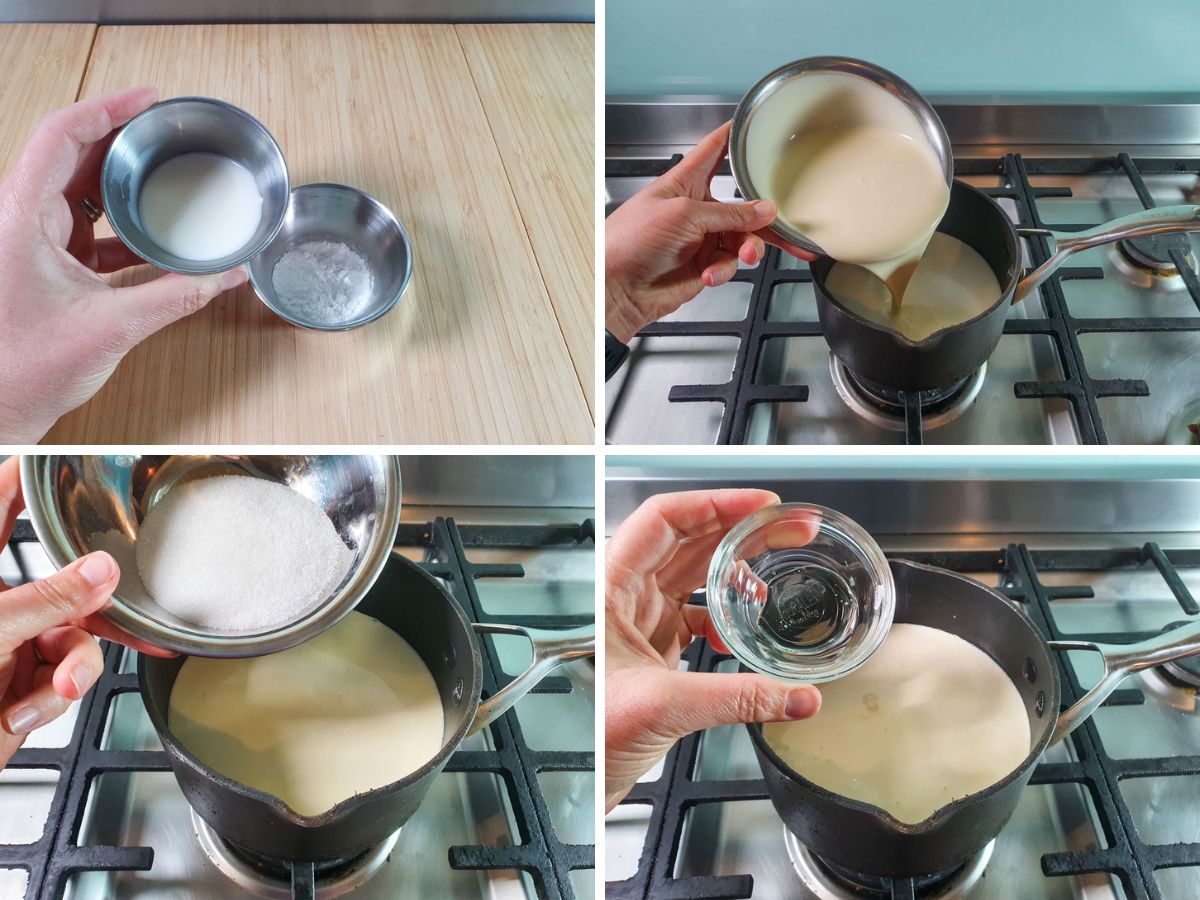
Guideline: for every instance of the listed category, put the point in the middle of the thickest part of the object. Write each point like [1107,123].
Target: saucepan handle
[551,648]
[1121,661]
[1159,220]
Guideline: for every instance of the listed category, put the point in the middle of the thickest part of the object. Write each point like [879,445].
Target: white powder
[323,282]
[239,554]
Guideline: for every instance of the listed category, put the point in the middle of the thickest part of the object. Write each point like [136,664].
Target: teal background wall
[1016,49]
[992,466]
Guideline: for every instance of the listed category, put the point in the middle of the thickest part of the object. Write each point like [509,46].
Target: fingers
[112,255]
[85,180]
[49,160]
[713,216]
[720,698]
[749,248]
[723,264]
[722,267]
[99,626]
[697,168]
[797,530]
[688,569]
[142,309]
[73,593]
[700,624]
[770,237]
[76,659]
[11,501]
[654,532]
[37,708]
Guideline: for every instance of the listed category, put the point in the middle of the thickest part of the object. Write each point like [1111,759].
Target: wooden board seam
[524,219]
[87,65]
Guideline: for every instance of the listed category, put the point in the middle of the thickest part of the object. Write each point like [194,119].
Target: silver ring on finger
[91,209]
[721,240]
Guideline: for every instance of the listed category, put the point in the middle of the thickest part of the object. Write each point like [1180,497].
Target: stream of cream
[849,166]
[952,284]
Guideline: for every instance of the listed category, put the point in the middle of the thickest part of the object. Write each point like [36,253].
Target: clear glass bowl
[801,593]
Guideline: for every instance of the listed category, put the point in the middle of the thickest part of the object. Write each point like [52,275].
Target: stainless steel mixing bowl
[754,99]
[191,125]
[78,504]
[341,214]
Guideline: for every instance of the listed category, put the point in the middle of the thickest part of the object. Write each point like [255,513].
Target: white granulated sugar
[323,282]
[239,554]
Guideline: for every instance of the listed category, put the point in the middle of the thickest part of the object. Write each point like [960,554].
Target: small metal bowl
[78,504]
[341,214]
[740,132]
[191,125]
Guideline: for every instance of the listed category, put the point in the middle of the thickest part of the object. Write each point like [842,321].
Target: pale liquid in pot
[952,284]
[929,718]
[353,709]
[851,169]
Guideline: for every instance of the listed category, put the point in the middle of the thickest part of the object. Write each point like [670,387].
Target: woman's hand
[63,329]
[653,563]
[48,657]
[671,240]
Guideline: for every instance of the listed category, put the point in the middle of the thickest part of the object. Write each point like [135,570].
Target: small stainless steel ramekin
[78,504]
[191,125]
[345,215]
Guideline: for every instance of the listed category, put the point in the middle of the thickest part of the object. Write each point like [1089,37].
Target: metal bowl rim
[57,546]
[105,192]
[842,65]
[362,320]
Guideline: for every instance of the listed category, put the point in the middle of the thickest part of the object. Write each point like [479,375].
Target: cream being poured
[850,167]
[951,284]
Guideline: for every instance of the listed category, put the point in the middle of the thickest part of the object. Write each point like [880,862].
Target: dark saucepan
[867,839]
[886,357]
[416,606]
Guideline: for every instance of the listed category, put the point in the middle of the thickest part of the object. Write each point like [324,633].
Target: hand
[63,329]
[671,240]
[48,657]
[653,563]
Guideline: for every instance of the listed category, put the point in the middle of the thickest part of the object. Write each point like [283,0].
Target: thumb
[714,216]
[718,698]
[146,308]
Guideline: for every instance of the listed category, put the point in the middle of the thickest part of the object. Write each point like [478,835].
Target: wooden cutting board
[45,66]
[493,341]
[539,103]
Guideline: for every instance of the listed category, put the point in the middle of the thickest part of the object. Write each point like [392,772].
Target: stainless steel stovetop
[1087,536]
[147,809]
[1077,177]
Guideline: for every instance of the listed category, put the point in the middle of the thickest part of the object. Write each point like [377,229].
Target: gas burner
[826,881]
[1184,427]
[1146,261]
[884,406]
[266,877]
[1167,689]
[1176,683]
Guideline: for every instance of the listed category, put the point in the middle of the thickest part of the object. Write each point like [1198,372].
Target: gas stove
[1110,813]
[90,808]
[1106,351]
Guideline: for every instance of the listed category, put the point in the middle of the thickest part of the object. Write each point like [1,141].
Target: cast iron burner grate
[548,860]
[1127,857]
[757,332]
